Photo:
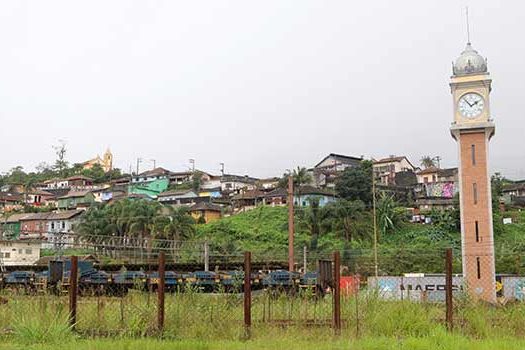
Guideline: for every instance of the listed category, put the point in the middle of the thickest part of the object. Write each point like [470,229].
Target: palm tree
[313,222]
[347,213]
[301,177]
[427,162]
[388,217]
[178,224]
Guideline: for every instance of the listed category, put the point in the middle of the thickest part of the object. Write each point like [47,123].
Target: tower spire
[468,26]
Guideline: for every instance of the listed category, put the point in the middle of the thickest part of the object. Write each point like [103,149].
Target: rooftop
[340,158]
[206,206]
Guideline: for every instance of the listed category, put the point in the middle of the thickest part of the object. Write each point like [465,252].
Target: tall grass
[219,317]
[43,321]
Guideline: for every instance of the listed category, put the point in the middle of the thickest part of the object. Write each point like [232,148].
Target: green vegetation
[138,218]
[214,321]
[439,341]
[61,169]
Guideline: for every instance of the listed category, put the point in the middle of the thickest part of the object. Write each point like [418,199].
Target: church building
[106,162]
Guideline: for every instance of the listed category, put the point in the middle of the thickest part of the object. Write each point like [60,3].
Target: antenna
[468,26]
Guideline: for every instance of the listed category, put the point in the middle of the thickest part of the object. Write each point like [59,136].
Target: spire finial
[468,26]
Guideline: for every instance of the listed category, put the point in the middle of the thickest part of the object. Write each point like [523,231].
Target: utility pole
[192,162]
[438,161]
[139,160]
[154,163]
[375,222]
[290,224]
[222,169]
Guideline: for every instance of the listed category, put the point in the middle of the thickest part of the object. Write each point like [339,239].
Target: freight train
[92,281]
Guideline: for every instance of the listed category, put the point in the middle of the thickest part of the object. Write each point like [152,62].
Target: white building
[60,228]
[386,169]
[15,253]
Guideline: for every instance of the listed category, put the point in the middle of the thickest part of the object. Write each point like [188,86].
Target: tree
[301,177]
[96,173]
[177,224]
[388,217]
[348,213]
[427,162]
[196,181]
[16,175]
[313,223]
[61,164]
[355,183]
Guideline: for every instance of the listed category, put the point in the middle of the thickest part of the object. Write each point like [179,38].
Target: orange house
[208,211]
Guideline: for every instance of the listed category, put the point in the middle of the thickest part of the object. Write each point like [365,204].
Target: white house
[60,228]
[15,253]
[386,169]
[236,183]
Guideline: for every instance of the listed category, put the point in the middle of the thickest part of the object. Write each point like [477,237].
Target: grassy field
[440,341]
[204,321]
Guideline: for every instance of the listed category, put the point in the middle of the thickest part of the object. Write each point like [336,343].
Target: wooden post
[290,224]
[448,289]
[73,292]
[160,291]
[247,293]
[337,293]
[206,256]
[305,262]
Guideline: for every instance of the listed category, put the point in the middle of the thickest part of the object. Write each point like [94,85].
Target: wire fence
[337,295]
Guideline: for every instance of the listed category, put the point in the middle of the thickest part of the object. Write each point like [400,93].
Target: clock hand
[468,103]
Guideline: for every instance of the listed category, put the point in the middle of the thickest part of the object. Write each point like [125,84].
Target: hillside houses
[330,167]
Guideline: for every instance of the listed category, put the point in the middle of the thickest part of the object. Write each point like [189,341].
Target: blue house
[305,194]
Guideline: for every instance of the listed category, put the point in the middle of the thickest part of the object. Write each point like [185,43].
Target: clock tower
[473,128]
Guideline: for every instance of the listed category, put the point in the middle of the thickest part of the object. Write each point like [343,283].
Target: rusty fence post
[73,292]
[160,291]
[247,293]
[337,293]
[448,289]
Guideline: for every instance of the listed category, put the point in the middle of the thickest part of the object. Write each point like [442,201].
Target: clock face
[471,105]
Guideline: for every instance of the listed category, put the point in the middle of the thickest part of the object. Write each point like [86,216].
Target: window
[473,154]
[29,251]
[477,231]
[20,251]
[479,267]
[425,179]
[52,225]
[7,255]
[475,192]
[63,224]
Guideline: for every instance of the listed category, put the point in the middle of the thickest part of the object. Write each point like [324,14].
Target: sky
[261,86]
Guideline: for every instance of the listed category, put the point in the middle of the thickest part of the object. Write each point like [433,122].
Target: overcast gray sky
[261,86]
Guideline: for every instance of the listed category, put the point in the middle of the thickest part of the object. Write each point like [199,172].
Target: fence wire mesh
[391,304]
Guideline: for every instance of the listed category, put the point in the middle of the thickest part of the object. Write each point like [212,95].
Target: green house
[10,226]
[149,188]
[76,199]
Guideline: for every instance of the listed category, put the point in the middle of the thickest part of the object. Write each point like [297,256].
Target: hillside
[408,248]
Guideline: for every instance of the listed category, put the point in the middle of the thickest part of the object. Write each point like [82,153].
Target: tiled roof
[75,194]
[64,215]
[278,192]
[206,206]
[390,159]
[14,218]
[155,172]
[36,216]
[429,170]
[307,189]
